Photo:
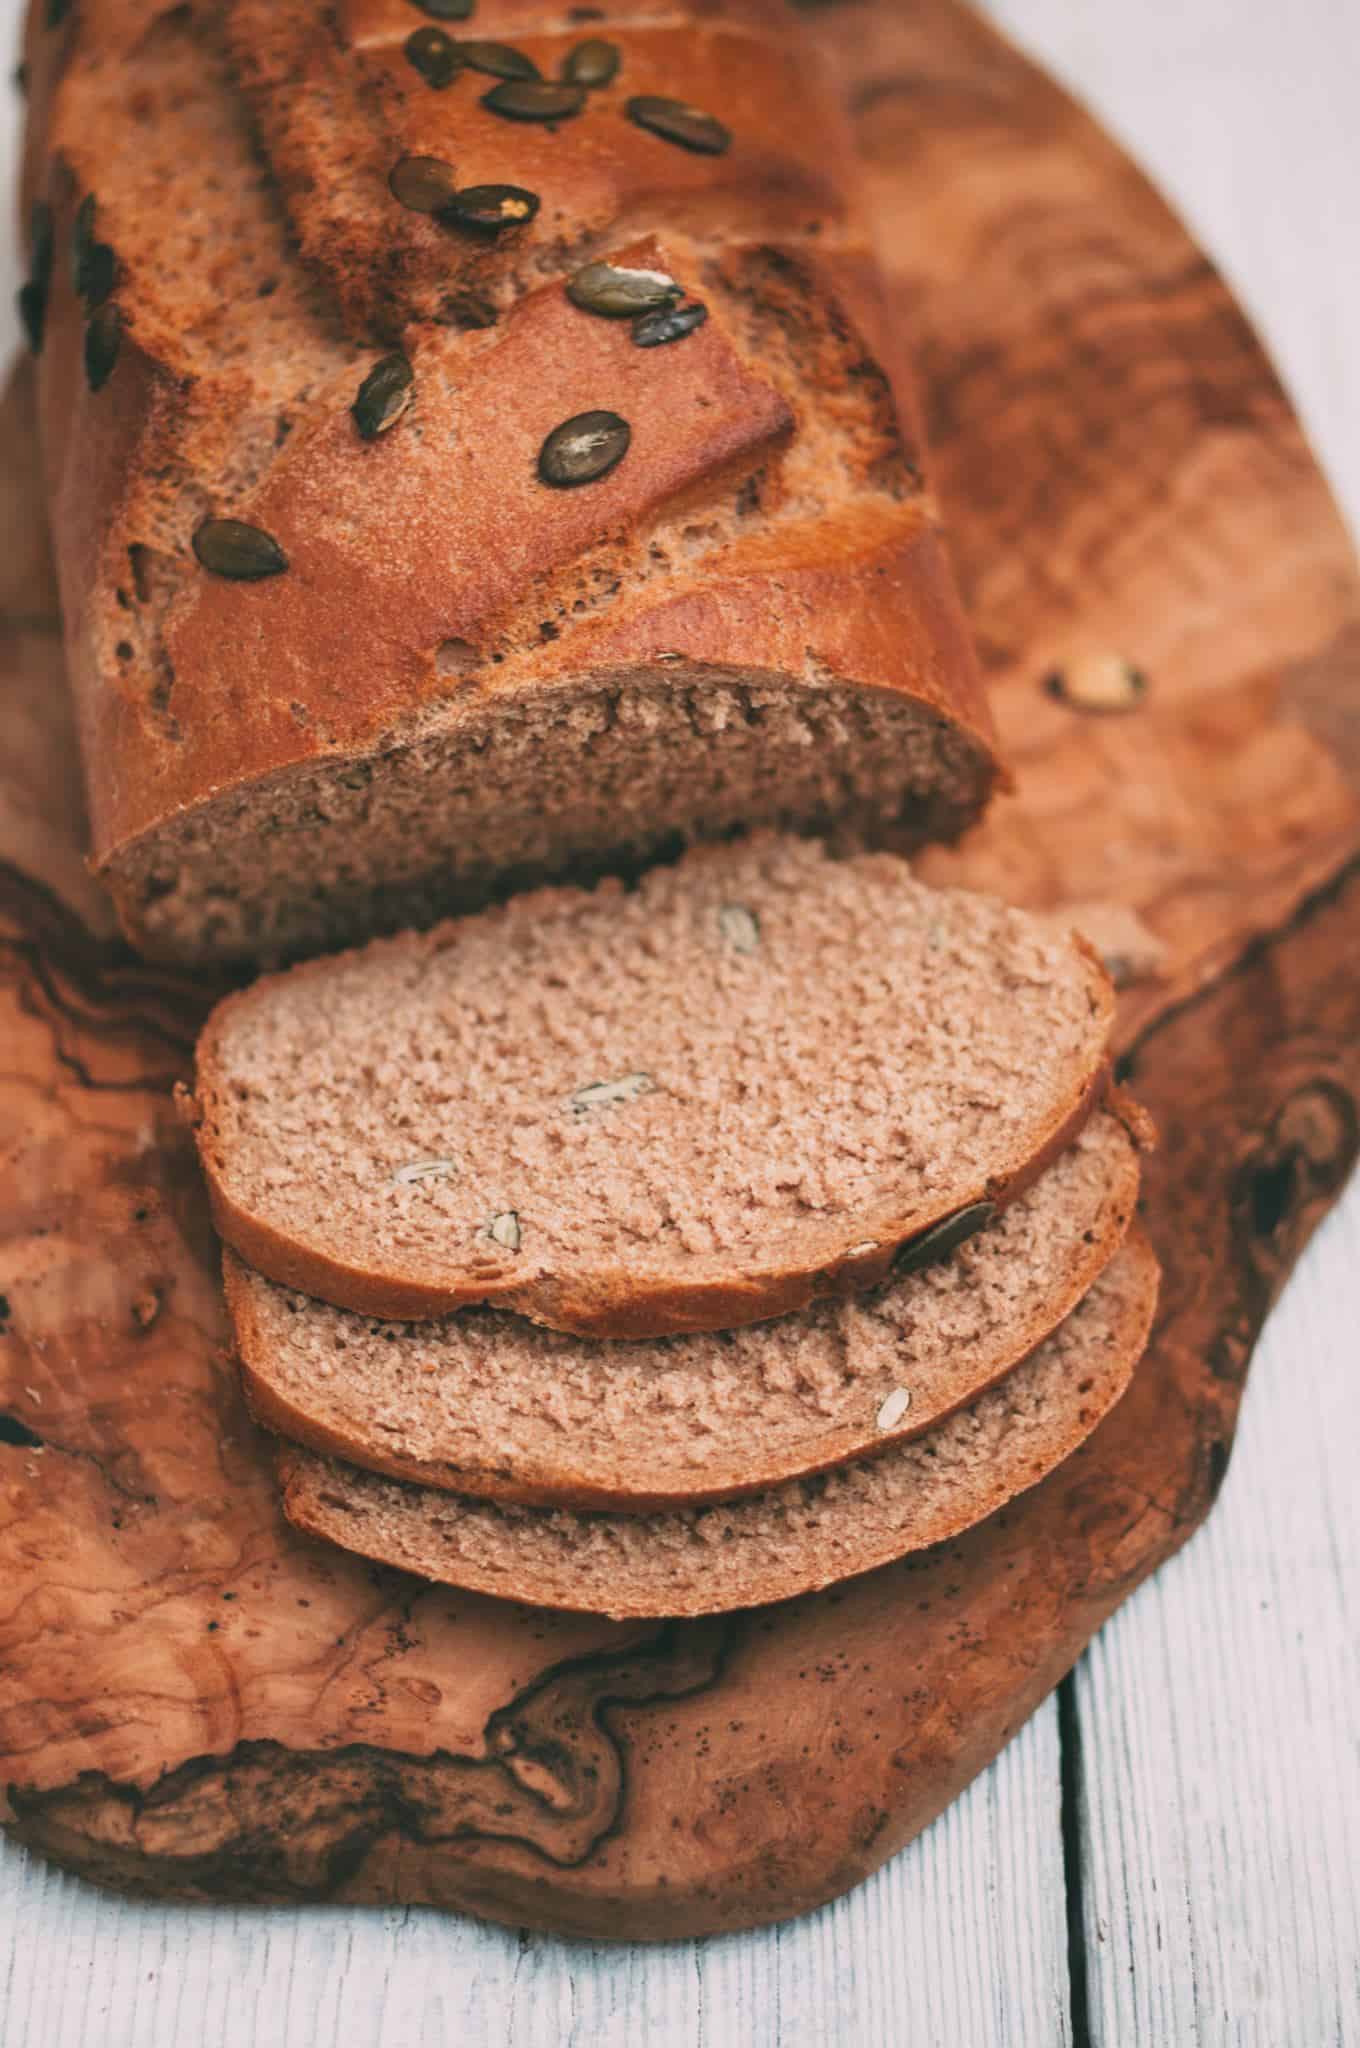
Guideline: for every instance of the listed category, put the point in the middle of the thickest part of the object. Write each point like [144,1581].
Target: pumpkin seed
[609,1094]
[33,313]
[618,292]
[447,10]
[893,1409]
[383,396]
[535,99]
[653,330]
[434,55]
[740,927]
[675,122]
[242,553]
[592,63]
[425,184]
[33,295]
[498,60]
[1098,682]
[82,237]
[57,11]
[103,339]
[424,1169]
[97,274]
[504,1230]
[488,209]
[943,1237]
[583,448]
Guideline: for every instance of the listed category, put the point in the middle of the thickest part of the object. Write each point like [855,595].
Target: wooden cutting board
[195,1701]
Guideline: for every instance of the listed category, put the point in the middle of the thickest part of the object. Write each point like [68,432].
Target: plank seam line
[1074,1874]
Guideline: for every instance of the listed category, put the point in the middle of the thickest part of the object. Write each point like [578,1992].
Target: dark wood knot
[1306,1152]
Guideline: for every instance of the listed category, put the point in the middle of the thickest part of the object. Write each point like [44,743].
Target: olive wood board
[197,1702]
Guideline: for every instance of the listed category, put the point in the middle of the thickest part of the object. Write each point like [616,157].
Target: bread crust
[225,687]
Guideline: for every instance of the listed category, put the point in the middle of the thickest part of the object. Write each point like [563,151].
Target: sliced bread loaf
[485,1403]
[702,1103]
[791,1540]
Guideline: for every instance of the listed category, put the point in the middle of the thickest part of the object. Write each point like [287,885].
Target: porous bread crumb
[772,1546]
[888,1054]
[487,1403]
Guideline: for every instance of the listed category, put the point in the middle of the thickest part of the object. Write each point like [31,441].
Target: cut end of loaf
[598,776]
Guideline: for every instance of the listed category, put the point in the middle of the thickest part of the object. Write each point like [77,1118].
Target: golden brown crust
[441,530]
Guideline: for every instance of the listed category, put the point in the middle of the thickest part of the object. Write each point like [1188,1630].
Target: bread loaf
[742,1085]
[771,1546]
[485,1403]
[346,652]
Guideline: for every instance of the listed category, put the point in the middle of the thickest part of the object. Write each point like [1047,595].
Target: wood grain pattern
[422,1747]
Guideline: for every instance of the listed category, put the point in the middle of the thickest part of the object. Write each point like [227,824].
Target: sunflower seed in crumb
[103,339]
[943,1237]
[740,927]
[434,55]
[423,184]
[860,1251]
[654,330]
[583,449]
[504,1230]
[1098,682]
[535,99]
[383,396]
[242,553]
[497,60]
[620,292]
[893,1409]
[609,1094]
[487,209]
[423,1169]
[676,122]
[592,63]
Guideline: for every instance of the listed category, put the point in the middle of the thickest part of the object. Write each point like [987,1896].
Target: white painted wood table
[1166,1856]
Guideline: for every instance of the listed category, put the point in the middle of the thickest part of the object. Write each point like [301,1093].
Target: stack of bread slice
[666,1249]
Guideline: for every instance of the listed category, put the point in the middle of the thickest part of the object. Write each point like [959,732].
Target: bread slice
[791,1540]
[485,1403]
[694,1105]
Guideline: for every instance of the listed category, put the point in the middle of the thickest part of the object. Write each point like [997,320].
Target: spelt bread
[792,1540]
[450,676]
[485,1403]
[742,1085]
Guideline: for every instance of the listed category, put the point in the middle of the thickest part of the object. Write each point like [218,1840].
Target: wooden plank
[1220,1766]
[962,1938]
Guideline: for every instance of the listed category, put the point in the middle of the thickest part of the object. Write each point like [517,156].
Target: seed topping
[238,551]
[675,122]
[583,449]
[619,292]
[434,55]
[535,99]
[103,339]
[425,184]
[498,60]
[592,63]
[383,396]
[489,209]
[893,1409]
[654,330]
